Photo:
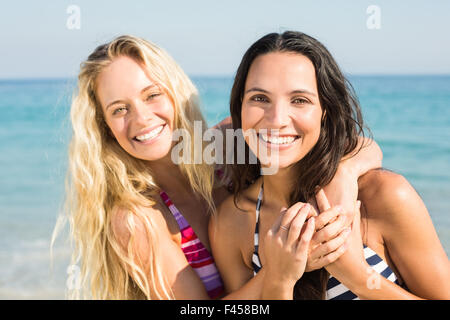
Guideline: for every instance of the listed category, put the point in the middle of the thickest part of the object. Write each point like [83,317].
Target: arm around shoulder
[408,233]
[366,156]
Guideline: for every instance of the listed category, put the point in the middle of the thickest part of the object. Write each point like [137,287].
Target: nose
[142,113]
[278,114]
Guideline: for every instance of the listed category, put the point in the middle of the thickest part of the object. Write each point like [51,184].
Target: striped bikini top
[335,289]
[195,252]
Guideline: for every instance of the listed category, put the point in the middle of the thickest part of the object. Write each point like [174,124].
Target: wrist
[277,292]
[277,287]
[362,279]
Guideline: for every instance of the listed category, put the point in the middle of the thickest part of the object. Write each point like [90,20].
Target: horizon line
[232,76]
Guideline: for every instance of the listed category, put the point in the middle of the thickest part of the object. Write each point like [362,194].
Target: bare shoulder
[388,196]
[231,238]
[126,223]
[234,215]
[381,182]
[146,234]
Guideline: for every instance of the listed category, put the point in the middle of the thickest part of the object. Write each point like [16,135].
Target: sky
[41,39]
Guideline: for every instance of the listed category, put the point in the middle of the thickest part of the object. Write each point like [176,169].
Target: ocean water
[409,117]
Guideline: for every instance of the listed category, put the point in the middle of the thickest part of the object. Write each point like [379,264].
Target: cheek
[309,122]
[249,120]
[250,116]
[118,129]
[166,111]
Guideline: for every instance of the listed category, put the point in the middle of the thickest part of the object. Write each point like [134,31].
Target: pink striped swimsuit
[196,254]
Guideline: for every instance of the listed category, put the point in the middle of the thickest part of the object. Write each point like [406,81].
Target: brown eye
[300,101]
[259,99]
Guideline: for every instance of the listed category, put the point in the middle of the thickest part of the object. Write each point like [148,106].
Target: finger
[351,215]
[329,258]
[297,225]
[330,231]
[276,225]
[322,201]
[315,209]
[330,246]
[289,216]
[328,216]
[305,239]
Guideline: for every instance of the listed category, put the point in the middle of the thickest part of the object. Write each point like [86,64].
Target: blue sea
[409,117]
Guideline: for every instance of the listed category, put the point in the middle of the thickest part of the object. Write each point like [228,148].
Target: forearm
[251,290]
[276,290]
[366,156]
[373,286]
[343,188]
[262,288]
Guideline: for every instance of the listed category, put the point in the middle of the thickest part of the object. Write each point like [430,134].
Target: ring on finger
[284,228]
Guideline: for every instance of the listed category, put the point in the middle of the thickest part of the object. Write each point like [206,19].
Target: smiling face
[281,104]
[138,111]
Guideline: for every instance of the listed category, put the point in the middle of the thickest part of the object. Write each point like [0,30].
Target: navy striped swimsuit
[335,289]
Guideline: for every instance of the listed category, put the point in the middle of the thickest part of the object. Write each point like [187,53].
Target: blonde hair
[102,177]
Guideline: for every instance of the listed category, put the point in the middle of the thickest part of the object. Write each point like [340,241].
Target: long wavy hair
[341,125]
[103,177]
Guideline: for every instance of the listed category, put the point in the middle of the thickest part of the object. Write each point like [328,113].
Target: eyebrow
[122,101]
[301,91]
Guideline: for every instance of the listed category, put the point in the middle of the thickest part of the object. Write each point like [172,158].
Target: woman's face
[138,111]
[281,104]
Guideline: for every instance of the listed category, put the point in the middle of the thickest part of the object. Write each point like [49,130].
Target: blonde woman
[138,220]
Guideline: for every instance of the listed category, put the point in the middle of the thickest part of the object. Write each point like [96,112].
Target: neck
[279,186]
[167,175]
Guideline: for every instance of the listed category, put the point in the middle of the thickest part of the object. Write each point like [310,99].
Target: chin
[155,153]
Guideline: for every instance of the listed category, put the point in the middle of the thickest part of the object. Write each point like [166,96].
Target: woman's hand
[343,191]
[328,242]
[351,264]
[343,188]
[286,247]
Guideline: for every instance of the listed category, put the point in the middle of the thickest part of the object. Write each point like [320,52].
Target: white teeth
[277,140]
[151,134]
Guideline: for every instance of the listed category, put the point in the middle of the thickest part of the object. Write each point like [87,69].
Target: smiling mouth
[278,140]
[150,135]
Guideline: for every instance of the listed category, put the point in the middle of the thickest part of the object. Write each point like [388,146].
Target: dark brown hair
[341,126]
